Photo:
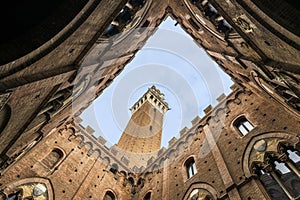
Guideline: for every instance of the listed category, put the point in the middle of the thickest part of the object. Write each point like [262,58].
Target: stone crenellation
[155,97]
[185,133]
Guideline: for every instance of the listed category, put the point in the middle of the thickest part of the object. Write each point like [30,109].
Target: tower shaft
[144,130]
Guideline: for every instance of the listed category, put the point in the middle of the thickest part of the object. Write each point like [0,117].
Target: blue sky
[175,64]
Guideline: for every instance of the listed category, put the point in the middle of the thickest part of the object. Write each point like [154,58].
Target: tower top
[153,96]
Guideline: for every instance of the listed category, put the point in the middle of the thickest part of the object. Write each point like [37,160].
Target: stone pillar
[222,167]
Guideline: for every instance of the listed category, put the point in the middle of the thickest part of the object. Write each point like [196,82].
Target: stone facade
[87,168]
[46,83]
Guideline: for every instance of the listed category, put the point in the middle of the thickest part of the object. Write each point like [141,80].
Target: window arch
[190,167]
[199,193]
[53,158]
[147,196]
[243,125]
[131,180]
[114,168]
[29,188]
[109,196]
[200,190]
[278,171]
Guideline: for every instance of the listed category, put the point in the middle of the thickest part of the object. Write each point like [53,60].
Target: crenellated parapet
[214,116]
[176,145]
[112,156]
[155,98]
[96,146]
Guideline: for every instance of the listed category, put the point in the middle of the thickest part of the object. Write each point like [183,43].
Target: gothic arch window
[276,163]
[190,167]
[243,125]
[29,188]
[129,18]
[147,196]
[211,20]
[201,191]
[200,194]
[53,158]
[109,196]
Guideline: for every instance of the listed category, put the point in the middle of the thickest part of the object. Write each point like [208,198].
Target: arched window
[141,182]
[52,159]
[114,168]
[147,196]
[243,125]
[200,194]
[190,166]
[109,196]
[278,171]
[131,180]
[281,182]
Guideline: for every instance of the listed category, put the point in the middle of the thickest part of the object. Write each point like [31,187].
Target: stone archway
[269,158]
[202,188]
[36,186]
[280,136]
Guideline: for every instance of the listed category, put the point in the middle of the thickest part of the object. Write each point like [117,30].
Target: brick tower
[143,132]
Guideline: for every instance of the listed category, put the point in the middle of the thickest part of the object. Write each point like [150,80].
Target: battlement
[153,96]
[132,161]
[212,117]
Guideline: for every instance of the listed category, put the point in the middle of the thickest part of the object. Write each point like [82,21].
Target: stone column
[222,167]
